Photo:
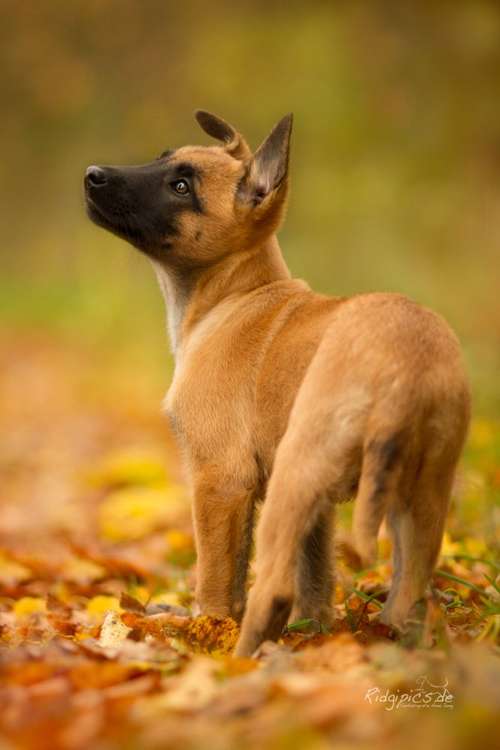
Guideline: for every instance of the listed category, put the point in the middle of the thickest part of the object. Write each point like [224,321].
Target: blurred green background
[395,166]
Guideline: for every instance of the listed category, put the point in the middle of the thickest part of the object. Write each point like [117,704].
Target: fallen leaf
[113,630]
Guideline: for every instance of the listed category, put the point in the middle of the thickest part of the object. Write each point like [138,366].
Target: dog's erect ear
[268,168]
[222,131]
[215,126]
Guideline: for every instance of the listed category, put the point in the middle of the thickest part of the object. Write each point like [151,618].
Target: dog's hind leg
[313,465]
[416,525]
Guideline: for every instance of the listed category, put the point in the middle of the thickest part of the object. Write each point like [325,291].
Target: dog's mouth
[108,213]
[114,223]
[96,213]
[100,217]
[92,207]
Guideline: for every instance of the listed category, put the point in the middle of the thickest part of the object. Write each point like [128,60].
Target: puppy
[284,395]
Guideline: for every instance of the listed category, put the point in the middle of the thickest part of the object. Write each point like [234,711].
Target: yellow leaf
[448,547]
[129,468]
[100,605]
[475,546]
[167,597]
[133,513]
[28,605]
[77,569]
[179,541]
[141,593]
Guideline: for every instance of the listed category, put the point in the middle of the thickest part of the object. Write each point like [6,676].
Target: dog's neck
[191,294]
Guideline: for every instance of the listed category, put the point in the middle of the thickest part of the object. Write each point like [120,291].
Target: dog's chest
[209,403]
[236,380]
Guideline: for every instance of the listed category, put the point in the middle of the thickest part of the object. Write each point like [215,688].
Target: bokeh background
[396,155]
[395,186]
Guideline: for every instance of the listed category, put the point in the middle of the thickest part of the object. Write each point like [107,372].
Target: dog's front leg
[223,520]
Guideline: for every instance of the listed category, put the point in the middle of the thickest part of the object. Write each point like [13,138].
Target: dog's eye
[180,186]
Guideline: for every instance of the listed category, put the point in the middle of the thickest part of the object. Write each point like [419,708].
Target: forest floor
[98,646]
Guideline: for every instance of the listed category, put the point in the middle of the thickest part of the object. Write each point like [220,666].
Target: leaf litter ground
[99,646]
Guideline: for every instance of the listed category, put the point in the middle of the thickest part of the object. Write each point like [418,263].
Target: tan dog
[284,394]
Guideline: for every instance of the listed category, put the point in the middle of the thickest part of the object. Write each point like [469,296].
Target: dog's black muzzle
[131,202]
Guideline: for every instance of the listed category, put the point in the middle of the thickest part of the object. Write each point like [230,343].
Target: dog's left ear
[268,169]
[221,130]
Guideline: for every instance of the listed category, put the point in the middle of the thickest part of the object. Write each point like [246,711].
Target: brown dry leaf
[211,634]
[204,633]
[131,604]
[159,625]
[63,627]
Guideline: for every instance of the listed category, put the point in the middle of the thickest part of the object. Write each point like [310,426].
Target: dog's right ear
[269,167]
[265,183]
[222,131]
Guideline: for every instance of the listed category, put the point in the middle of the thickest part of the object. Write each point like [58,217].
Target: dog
[284,395]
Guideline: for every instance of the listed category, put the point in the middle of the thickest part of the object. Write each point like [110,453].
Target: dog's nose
[95,175]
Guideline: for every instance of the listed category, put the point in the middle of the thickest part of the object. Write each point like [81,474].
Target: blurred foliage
[396,160]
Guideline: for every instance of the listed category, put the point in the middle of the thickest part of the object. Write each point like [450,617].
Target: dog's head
[196,204]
